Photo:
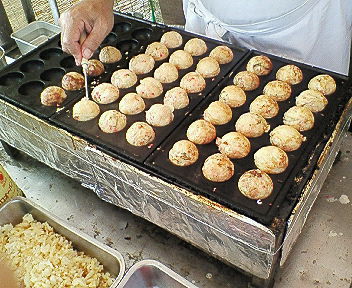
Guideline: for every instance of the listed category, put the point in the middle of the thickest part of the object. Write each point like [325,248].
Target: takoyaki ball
[271,159]
[246,80]
[112,121]
[222,54]
[201,132]
[234,145]
[109,55]
[159,115]
[140,134]
[252,125]
[218,113]
[124,78]
[53,96]
[260,65]
[176,97]
[287,138]
[265,106]
[314,100]
[85,110]
[218,168]
[233,96]
[183,153]
[166,73]
[171,39]
[323,83]
[157,50]
[193,82]
[141,64]
[196,47]
[105,93]
[149,88]
[181,59]
[131,104]
[290,74]
[95,68]
[72,81]
[300,118]
[208,67]
[278,90]
[255,184]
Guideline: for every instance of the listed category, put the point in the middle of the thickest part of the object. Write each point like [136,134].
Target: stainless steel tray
[34,34]
[153,274]
[112,260]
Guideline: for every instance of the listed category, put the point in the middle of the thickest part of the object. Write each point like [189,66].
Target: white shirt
[316,32]
[237,11]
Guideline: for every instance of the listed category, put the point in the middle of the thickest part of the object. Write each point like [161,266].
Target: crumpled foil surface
[231,237]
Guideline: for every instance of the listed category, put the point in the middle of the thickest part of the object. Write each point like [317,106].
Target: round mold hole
[142,34]
[128,45]
[54,74]
[51,53]
[32,66]
[122,27]
[11,79]
[68,62]
[32,88]
[111,38]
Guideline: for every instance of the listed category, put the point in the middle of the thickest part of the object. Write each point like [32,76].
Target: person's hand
[93,18]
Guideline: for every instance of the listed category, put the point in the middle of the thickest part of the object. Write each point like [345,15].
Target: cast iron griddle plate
[227,193]
[132,37]
[22,81]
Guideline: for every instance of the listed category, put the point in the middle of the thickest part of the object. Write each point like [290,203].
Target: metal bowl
[153,274]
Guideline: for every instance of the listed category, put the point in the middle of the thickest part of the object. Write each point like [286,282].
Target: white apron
[316,32]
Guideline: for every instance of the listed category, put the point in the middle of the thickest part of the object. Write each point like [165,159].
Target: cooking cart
[241,235]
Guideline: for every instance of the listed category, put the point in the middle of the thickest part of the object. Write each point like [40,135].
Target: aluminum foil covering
[221,232]
[54,147]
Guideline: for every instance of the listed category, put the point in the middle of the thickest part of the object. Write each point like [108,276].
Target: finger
[70,36]
[93,40]
[75,50]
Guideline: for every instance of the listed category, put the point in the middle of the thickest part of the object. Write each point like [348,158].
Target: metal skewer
[85,65]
